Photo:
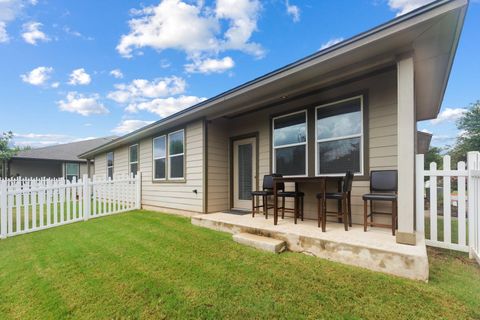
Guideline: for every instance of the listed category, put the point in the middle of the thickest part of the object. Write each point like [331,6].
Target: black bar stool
[267,190]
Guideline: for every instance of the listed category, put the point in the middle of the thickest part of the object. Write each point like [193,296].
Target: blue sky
[71,70]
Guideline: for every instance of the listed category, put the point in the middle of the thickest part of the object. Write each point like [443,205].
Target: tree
[469,140]
[6,151]
[434,154]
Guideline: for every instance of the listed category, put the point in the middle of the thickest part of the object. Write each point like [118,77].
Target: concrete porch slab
[376,249]
[260,242]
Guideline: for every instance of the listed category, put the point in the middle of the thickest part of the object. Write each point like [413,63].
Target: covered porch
[376,249]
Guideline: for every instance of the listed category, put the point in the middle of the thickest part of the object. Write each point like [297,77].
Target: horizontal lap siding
[176,195]
[382,142]
[218,164]
[100,165]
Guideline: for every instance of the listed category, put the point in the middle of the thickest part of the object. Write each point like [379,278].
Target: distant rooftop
[64,152]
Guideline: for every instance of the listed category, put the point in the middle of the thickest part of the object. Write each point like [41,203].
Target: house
[54,161]
[352,106]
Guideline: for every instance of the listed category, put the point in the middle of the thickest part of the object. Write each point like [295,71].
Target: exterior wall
[218,166]
[381,146]
[36,168]
[168,196]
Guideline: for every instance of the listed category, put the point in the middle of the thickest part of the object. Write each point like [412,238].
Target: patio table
[322,181]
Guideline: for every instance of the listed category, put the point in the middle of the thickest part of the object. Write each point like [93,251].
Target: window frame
[361,135]
[164,136]
[169,156]
[113,163]
[130,162]
[274,163]
[66,170]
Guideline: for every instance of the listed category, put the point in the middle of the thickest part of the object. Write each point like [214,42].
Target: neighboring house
[54,161]
[352,106]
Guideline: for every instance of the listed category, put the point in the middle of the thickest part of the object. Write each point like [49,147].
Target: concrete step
[259,242]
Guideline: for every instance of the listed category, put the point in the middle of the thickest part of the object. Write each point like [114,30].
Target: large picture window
[133,156]
[290,144]
[110,165]
[339,137]
[159,158]
[176,155]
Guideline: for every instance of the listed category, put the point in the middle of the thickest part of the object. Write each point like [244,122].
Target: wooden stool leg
[349,199]
[365,218]
[283,207]
[265,207]
[371,211]
[253,206]
[324,214]
[345,213]
[295,209]
[319,214]
[394,216]
[301,207]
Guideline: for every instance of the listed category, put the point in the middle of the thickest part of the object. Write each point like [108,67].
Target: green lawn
[151,265]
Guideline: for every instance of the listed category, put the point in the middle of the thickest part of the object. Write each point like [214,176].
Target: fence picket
[462,235]
[433,202]
[447,202]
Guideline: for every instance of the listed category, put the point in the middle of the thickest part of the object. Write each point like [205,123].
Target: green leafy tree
[434,154]
[6,151]
[469,140]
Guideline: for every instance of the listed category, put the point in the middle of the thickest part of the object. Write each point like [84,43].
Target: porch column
[406,151]
[88,168]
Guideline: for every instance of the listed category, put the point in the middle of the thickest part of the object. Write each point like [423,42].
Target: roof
[63,152]
[429,33]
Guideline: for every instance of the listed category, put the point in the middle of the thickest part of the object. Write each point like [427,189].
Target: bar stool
[344,196]
[267,190]
[297,202]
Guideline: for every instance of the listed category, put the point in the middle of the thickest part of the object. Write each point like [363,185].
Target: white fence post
[3,209]
[138,190]
[473,202]
[86,197]
[420,193]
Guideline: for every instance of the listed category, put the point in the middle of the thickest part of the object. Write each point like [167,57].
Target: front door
[244,172]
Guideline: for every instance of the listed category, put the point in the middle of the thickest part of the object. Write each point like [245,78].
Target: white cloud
[9,10]
[293,11]
[116,73]
[141,89]
[55,85]
[165,106]
[38,76]
[210,65]
[32,33]
[79,77]
[37,140]
[127,126]
[197,30]
[405,6]
[449,114]
[82,104]
[331,42]
[3,32]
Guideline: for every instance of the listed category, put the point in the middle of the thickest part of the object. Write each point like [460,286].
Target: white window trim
[130,162]
[169,156]
[361,135]
[113,163]
[291,144]
[157,158]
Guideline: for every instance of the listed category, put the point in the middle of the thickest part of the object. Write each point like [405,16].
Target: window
[290,144]
[72,171]
[159,158]
[110,165]
[339,137]
[133,154]
[176,155]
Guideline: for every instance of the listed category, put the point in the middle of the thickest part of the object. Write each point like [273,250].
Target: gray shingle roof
[66,152]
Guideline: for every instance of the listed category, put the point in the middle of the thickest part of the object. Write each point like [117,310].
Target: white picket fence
[465,223]
[32,205]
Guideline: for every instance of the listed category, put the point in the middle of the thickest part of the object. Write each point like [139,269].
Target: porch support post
[88,168]
[406,150]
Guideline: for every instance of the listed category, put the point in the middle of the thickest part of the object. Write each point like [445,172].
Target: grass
[155,266]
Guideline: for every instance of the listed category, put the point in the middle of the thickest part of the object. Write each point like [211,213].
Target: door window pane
[245,172]
[290,161]
[339,156]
